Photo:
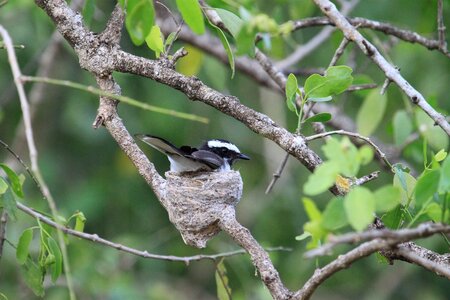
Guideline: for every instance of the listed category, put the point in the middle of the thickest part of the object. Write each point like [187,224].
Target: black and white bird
[213,155]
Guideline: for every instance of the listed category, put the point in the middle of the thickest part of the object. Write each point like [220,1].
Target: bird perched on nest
[213,155]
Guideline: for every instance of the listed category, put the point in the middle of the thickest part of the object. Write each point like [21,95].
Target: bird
[214,155]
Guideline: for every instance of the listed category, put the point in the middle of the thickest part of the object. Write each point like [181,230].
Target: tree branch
[390,71]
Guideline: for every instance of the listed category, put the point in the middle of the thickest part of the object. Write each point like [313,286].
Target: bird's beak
[243,156]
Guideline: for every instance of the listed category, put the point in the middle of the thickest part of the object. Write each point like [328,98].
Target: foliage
[88,174]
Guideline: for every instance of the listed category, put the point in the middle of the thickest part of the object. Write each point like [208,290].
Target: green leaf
[222,282]
[444,180]
[393,218]
[140,19]
[406,182]
[365,154]
[23,246]
[228,49]
[303,236]
[402,127]
[232,22]
[434,135]
[359,206]
[9,204]
[324,99]
[170,39]
[155,40]
[387,198]
[192,14]
[441,155]
[88,11]
[3,186]
[80,220]
[316,231]
[426,186]
[34,277]
[311,209]
[320,117]
[434,211]
[56,268]
[323,178]
[245,41]
[291,92]
[336,80]
[16,183]
[334,216]
[371,112]
[344,154]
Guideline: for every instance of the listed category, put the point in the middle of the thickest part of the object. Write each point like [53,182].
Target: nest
[196,202]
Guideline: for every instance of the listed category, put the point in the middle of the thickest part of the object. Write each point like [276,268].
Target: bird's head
[224,149]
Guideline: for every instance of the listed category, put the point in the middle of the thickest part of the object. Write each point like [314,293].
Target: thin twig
[96,239]
[441,26]
[33,153]
[355,135]
[366,178]
[124,99]
[339,51]
[3,221]
[277,174]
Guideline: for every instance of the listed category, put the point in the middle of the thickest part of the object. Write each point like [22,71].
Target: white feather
[219,144]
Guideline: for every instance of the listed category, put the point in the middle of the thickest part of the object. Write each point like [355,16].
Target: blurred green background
[86,170]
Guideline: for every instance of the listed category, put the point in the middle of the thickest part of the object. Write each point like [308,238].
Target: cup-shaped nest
[196,202]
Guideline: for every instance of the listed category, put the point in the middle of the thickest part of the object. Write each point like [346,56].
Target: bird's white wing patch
[218,144]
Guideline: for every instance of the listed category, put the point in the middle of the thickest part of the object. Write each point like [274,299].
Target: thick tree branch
[401,235]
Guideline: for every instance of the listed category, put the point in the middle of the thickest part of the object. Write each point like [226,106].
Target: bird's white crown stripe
[218,144]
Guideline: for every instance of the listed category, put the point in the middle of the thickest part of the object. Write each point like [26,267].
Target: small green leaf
[434,211]
[232,22]
[393,218]
[371,112]
[192,14]
[434,135]
[359,206]
[228,49]
[23,246]
[365,154]
[140,19]
[155,40]
[88,11]
[402,127]
[245,41]
[444,181]
[291,92]
[344,154]
[441,155]
[3,186]
[8,202]
[311,209]
[406,182]
[170,39]
[387,198]
[80,220]
[320,117]
[426,186]
[334,216]
[324,99]
[34,277]
[56,268]
[50,259]
[324,177]
[14,179]
[303,236]
[336,80]
[222,282]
